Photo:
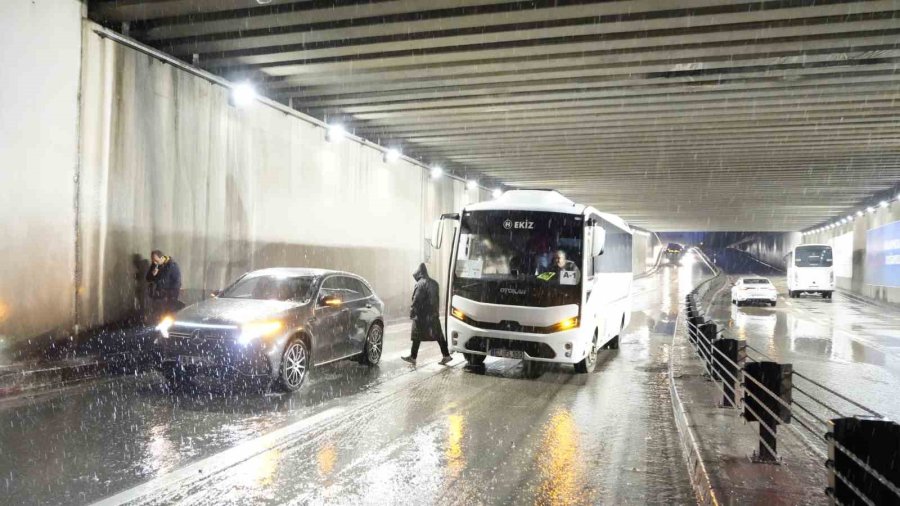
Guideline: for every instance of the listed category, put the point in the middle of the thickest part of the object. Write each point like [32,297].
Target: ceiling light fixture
[392,155]
[335,133]
[243,94]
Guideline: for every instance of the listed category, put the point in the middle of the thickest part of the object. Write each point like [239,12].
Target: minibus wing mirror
[598,242]
[437,233]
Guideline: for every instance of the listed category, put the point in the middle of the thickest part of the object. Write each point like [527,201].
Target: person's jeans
[414,352]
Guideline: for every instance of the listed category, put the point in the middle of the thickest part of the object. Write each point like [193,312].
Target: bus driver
[562,271]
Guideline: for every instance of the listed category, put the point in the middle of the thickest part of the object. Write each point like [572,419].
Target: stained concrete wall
[168,163]
[40,46]
[158,158]
[645,251]
[771,247]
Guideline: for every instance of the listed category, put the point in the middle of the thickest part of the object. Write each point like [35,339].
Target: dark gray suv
[274,323]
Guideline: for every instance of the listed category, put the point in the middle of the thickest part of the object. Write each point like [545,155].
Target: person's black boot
[409,359]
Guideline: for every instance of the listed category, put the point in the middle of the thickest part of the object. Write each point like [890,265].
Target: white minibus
[537,277]
[810,270]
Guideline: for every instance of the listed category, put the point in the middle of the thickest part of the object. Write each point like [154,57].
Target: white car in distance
[755,289]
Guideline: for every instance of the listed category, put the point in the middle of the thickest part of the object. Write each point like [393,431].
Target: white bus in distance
[537,277]
[810,270]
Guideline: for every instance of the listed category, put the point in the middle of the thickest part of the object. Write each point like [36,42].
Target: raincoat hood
[421,272]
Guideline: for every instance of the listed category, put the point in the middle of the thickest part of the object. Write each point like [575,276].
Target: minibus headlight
[568,323]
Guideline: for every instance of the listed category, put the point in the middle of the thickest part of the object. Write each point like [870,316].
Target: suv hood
[233,311]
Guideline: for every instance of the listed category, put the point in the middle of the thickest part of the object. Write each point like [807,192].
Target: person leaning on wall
[164,278]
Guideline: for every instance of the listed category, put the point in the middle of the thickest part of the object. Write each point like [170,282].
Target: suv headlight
[164,325]
[256,330]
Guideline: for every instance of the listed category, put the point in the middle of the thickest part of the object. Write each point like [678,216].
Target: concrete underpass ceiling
[689,115]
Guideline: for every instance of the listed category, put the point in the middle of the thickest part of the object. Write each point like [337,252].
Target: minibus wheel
[589,361]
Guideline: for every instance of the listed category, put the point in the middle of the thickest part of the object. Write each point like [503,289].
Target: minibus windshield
[519,257]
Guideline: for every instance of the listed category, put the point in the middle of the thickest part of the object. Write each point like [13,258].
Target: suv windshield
[813,256]
[267,287]
[756,281]
[524,258]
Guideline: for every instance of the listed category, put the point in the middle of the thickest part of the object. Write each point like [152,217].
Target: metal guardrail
[811,421]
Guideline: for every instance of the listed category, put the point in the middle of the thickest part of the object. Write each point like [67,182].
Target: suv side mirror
[329,301]
[215,294]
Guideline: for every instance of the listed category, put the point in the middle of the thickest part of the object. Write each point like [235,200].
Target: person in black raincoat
[164,279]
[425,315]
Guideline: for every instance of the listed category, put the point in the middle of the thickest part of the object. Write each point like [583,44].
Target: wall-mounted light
[849,217]
[883,203]
[392,155]
[335,133]
[436,172]
[859,213]
[471,184]
[243,94]
[497,193]
[870,209]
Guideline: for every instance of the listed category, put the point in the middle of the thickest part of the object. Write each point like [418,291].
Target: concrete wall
[771,247]
[645,251]
[40,55]
[858,228]
[157,157]
[168,163]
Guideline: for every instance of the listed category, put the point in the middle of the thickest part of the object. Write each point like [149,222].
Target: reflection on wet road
[846,343]
[393,434]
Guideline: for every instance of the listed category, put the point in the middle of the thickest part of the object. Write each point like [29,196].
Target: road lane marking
[219,462]
[287,436]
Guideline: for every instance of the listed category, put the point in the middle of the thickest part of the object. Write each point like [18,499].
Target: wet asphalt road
[848,344]
[394,434]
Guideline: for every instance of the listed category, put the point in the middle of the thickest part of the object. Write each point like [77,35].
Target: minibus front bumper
[566,346]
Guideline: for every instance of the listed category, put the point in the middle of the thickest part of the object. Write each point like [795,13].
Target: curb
[49,377]
[700,481]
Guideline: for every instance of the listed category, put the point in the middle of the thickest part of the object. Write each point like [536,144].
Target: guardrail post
[776,378]
[708,332]
[735,351]
[695,320]
[875,444]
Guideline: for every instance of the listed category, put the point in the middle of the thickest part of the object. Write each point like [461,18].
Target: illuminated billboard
[883,255]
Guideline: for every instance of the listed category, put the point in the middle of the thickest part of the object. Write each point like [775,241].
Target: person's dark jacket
[166,282]
[425,308]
